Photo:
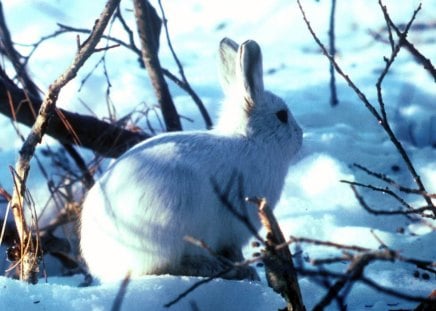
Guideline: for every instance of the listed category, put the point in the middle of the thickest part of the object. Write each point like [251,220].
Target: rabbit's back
[167,188]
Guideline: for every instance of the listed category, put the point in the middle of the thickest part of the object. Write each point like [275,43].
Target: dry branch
[420,58]
[183,83]
[109,140]
[279,267]
[148,24]
[131,45]
[29,260]
[21,105]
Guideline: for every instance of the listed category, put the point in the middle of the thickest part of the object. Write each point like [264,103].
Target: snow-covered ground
[314,203]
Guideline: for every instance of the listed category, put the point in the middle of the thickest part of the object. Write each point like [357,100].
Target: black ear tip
[227,42]
[252,48]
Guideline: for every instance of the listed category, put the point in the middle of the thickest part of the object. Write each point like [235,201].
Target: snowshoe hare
[136,216]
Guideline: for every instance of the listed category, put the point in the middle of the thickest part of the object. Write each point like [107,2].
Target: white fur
[135,218]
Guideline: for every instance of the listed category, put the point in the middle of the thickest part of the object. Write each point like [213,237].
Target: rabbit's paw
[208,266]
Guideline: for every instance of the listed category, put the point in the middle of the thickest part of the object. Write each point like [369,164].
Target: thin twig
[294,239]
[366,207]
[384,190]
[393,183]
[242,216]
[380,117]
[185,84]
[109,140]
[132,44]
[385,124]
[338,69]
[116,306]
[426,62]
[195,286]
[182,83]
[363,279]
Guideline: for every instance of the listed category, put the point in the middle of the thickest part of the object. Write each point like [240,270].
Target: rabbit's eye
[282,115]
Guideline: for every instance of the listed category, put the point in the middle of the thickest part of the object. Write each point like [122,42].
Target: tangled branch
[381,116]
[29,259]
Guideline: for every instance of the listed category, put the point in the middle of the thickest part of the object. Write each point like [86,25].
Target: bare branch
[184,82]
[424,61]
[393,183]
[338,69]
[370,283]
[419,211]
[148,24]
[385,122]
[380,117]
[279,267]
[29,268]
[109,140]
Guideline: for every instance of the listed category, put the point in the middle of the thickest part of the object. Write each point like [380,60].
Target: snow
[315,204]
[64,293]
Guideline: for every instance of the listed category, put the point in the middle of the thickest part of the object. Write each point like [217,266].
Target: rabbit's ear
[250,71]
[228,52]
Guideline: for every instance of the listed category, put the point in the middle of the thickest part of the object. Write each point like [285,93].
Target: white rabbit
[136,216]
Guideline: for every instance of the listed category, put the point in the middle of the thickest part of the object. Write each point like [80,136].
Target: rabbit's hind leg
[200,265]
[224,265]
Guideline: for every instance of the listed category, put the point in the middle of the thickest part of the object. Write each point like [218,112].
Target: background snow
[314,204]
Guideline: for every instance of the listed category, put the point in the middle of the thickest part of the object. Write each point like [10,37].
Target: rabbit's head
[250,110]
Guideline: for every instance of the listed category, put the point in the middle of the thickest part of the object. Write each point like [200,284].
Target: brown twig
[279,267]
[338,69]
[47,110]
[384,190]
[364,280]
